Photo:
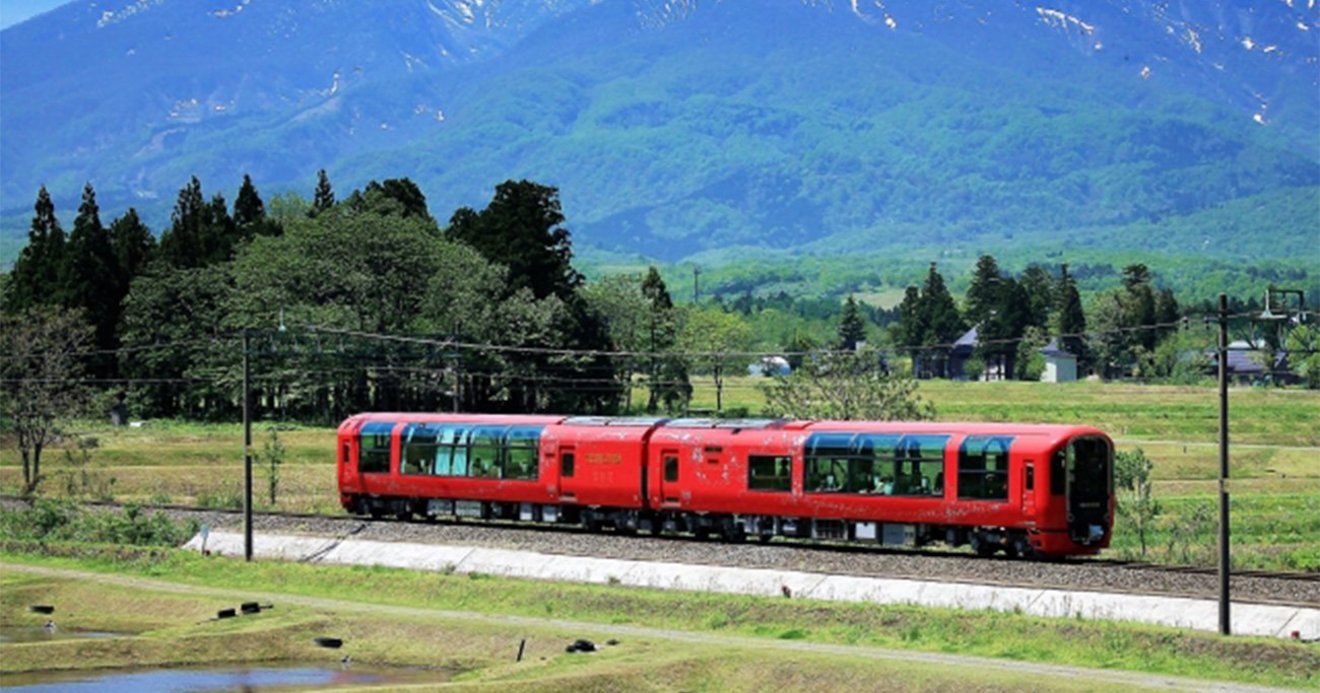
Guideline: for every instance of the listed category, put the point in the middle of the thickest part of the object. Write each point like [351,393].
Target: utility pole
[247,452]
[1224,628]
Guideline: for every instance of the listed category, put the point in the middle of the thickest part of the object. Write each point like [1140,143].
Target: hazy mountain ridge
[681,126]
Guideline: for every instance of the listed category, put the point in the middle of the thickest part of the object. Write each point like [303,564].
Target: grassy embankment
[709,642]
[1275,459]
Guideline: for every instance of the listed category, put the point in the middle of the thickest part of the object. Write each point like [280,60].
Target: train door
[669,481]
[567,471]
[1089,464]
[1029,488]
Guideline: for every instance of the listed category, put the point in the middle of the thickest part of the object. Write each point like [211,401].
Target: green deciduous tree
[851,386]
[41,379]
[713,339]
[1136,506]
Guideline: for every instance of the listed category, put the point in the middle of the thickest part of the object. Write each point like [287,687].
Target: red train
[1039,490]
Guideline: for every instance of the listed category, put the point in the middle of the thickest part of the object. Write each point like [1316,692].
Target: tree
[250,217]
[522,229]
[852,330]
[1039,286]
[1303,346]
[1135,503]
[92,277]
[41,379]
[394,196]
[851,386]
[1069,322]
[38,276]
[325,195]
[910,329]
[619,299]
[983,294]
[667,374]
[942,324]
[1030,363]
[201,233]
[713,337]
[134,247]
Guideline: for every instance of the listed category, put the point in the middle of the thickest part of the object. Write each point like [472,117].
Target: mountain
[702,129]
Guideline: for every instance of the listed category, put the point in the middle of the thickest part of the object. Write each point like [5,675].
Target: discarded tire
[226,613]
[42,608]
[250,607]
[332,643]
[581,646]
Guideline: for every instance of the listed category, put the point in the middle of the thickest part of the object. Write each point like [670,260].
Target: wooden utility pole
[1224,628]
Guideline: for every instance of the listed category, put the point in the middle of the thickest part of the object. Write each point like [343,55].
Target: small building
[1246,369]
[1060,366]
[770,366]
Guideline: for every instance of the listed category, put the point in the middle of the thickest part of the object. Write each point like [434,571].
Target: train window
[566,465]
[522,460]
[671,468]
[374,447]
[485,452]
[918,467]
[1058,472]
[769,473]
[419,449]
[907,465]
[451,451]
[983,468]
[346,454]
[1031,477]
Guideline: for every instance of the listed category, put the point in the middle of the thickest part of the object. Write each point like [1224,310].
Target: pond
[250,678]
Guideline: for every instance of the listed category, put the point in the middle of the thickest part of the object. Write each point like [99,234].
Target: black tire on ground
[332,643]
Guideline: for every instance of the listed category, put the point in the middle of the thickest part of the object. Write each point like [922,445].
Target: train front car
[1076,517]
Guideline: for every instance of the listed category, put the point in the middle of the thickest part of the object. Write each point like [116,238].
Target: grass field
[467,629]
[1275,459]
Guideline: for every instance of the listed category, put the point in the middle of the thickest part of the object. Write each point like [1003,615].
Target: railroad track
[947,565]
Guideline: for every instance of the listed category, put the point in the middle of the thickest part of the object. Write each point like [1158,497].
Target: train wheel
[982,547]
[701,533]
[403,516]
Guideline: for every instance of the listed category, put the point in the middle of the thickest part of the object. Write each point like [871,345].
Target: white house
[1060,366]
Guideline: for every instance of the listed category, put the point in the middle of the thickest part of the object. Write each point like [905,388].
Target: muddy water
[285,678]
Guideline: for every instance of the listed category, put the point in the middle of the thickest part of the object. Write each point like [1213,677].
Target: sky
[14,11]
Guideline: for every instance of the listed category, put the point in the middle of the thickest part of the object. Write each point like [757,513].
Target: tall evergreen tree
[133,246]
[1069,322]
[39,274]
[93,277]
[250,219]
[910,328]
[325,195]
[940,315]
[667,374]
[201,233]
[522,229]
[852,330]
[984,294]
[1039,285]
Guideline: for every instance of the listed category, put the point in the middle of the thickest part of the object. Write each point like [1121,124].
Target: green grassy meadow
[465,630]
[1274,439]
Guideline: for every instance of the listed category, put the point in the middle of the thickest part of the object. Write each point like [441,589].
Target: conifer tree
[39,274]
[1039,286]
[133,246]
[92,276]
[667,375]
[250,212]
[852,330]
[984,293]
[325,195]
[940,316]
[1069,322]
[181,245]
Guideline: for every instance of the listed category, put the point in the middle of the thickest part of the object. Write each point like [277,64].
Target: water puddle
[18,634]
[254,678]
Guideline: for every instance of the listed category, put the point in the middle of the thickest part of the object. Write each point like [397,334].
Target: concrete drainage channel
[1180,612]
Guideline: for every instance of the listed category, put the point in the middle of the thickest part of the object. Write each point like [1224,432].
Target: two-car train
[1027,490]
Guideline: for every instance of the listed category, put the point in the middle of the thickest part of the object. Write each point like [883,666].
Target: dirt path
[970,663]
